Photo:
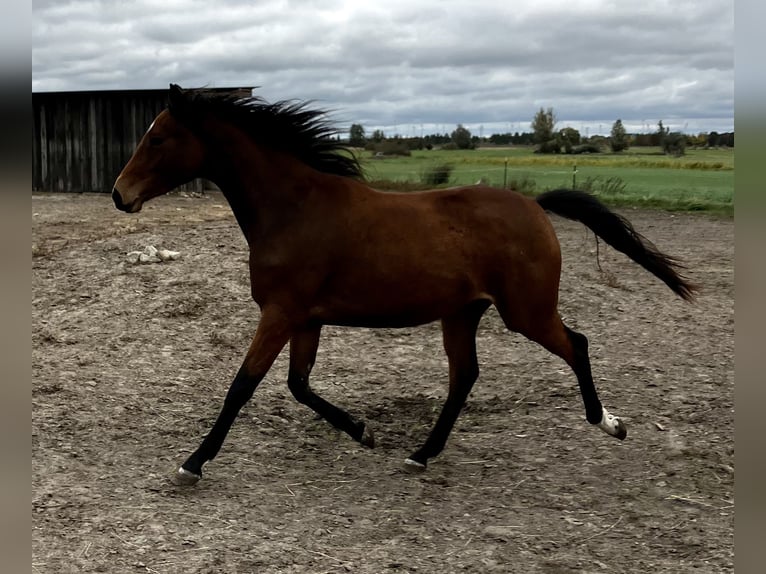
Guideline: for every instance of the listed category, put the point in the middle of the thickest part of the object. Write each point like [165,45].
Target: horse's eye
[155,141]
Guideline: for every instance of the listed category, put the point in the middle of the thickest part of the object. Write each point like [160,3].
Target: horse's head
[168,155]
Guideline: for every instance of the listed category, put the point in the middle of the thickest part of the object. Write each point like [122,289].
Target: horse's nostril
[117,198]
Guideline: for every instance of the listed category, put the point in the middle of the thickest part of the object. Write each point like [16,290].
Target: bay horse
[326,249]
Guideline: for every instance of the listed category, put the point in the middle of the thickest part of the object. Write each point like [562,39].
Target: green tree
[378,136]
[658,137]
[542,126]
[461,137]
[356,136]
[619,137]
[569,137]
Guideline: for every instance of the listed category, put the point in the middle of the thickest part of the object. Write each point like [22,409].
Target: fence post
[574,176]
[505,174]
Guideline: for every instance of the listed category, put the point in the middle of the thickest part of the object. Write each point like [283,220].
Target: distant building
[82,140]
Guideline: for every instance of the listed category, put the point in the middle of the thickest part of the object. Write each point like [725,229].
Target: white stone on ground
[151,254]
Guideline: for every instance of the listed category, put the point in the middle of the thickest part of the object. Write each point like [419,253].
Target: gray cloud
[402,64]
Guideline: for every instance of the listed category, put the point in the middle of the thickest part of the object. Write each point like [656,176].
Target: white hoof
[183,477]
[612,425]
[414,466]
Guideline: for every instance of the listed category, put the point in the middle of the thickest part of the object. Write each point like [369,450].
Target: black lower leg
[340,419]
[459,391]
[459,333]
[581,367]
[241,390]
[441,431]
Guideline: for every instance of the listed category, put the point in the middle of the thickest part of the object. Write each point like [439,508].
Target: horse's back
[511,250]
[457,244]
[480,221]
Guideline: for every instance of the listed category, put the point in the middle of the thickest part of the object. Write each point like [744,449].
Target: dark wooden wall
[82,140]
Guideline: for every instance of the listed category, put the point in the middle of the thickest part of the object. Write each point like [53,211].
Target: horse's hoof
[612,425]
[183,477]
[622,430]
[368,438]
[414,466]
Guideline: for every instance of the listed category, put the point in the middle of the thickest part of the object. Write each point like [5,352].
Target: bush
[618,145]
[524,185]
[551,146]
[586,148]
[437,174]
[674,144]
[389,147]
[611,186]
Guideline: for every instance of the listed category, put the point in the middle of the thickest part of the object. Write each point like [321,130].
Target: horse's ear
[177,102]
[175,93]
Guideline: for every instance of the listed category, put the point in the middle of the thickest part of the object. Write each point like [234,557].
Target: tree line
[544,136]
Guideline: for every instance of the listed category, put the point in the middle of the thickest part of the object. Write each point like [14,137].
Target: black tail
[619,233]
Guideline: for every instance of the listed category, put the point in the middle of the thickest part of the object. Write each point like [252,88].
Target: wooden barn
[81,140]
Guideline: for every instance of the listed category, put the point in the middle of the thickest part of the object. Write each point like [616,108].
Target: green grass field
[702,180]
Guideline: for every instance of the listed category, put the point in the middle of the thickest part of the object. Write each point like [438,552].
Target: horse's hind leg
[459,334]
[573,348]
[303,350]
[595,413]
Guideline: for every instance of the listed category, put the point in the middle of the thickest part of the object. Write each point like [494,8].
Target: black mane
[287,126]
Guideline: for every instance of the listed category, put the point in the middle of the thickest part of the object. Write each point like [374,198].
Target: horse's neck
[262,187]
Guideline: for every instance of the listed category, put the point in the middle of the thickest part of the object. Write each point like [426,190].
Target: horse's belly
[395,303]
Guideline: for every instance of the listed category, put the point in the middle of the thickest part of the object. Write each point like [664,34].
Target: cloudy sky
[412,66]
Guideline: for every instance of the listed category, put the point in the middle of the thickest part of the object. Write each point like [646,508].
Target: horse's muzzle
[117,198]
[119,204]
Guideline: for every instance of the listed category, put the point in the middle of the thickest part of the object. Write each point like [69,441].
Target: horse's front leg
[271,336]
[303,350]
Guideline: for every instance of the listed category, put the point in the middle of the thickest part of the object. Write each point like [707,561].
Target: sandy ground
[131,363]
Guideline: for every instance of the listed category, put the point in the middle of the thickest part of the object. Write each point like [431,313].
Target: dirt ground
[131,363]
